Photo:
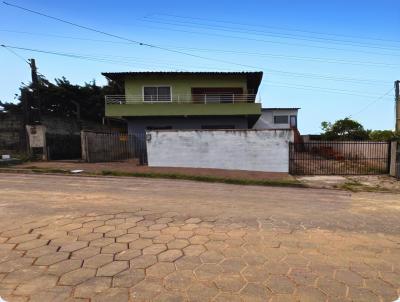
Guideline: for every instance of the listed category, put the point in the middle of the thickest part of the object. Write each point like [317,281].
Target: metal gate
[63,146]
[339,158]
[103,146]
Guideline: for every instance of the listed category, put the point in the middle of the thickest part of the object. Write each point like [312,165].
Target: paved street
[66,238]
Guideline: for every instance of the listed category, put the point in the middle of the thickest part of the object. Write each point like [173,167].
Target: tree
[383,135]
[344,129]
[62,98]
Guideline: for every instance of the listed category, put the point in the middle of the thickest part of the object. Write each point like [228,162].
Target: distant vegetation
[348,129]
[62,98]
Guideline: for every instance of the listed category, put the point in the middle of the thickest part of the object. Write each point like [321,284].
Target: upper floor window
[281,119]
[157,94]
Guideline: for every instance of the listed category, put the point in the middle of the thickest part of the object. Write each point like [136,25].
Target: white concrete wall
[253,150]
[266,120]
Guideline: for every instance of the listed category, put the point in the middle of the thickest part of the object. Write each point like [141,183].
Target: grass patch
[211,179]
[356,186]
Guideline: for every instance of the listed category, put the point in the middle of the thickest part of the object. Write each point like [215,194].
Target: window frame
[157,86]
[280,116]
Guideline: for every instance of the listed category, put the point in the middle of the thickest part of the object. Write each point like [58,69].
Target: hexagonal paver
[201,291]
[127,254]
[127,238]
[280,284]
[112,294]
[29,245]
[188,262]
[74,246]
[86,252]
[22,238]
[170,255]
[128,278]
[52,258]
[208,271]
[233,265]
[307,293]
[114,248]
[178,244]
[332,287]
[154,249]
[115,233]
[140,244]
[160,269]
[64,266]
[112,268]
[36,285]
[194,250]
[98,260]
[143,261]
[211,257]
[349,278]
[179,280]
[77,276]
[41,251]
[146,290]
[255,292]
[101,242]
[163,238]
[91,287]
[230,283]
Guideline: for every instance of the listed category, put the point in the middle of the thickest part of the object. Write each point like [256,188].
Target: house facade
[185,100]
[277,118]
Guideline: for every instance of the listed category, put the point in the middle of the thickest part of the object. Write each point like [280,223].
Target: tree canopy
[62,98]
[348,129]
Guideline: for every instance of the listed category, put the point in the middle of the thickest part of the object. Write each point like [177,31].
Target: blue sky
[331,58]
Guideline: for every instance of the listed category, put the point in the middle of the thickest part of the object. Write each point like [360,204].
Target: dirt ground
[71,238]
[132,167]
[355,183]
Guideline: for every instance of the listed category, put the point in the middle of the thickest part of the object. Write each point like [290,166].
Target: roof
[253,77]
[288,108]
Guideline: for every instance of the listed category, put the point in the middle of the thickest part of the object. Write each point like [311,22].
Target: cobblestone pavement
[139,250]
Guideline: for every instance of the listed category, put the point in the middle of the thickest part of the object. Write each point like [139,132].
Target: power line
[319,88]
[276,28]
[123,38]
[373,102]
[269,34]
[15,54]
[279,72]
[267,41]
[272,55]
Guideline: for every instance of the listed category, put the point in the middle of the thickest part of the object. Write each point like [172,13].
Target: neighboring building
[185,100]
[277,118]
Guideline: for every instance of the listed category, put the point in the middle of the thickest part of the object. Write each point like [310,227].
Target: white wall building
[277,118]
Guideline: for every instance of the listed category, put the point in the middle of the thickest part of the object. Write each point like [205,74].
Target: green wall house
[185,100]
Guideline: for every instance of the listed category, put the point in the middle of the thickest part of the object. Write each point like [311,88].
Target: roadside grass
[356,186]
[212,179]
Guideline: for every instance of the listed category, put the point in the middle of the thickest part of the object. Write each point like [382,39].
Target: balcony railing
[183,99]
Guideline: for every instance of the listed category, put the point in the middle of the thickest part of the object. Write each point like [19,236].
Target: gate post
[393,158]
[84,146]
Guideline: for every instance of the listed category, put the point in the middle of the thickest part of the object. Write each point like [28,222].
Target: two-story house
[185,100]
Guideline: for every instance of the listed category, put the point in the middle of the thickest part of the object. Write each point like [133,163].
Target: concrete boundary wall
[252,150]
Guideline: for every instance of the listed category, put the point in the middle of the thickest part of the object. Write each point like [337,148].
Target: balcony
[183,99]
[182,105]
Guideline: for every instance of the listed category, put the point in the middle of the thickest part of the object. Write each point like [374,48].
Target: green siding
[173,109]
[182,85]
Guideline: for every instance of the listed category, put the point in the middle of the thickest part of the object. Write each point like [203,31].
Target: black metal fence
[103,147]
[63,146]
[339,158]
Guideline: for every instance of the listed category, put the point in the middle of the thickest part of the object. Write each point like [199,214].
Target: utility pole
[397,103]
[34,106]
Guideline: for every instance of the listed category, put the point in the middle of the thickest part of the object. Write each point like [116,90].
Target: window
[157,94]
[281,119]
